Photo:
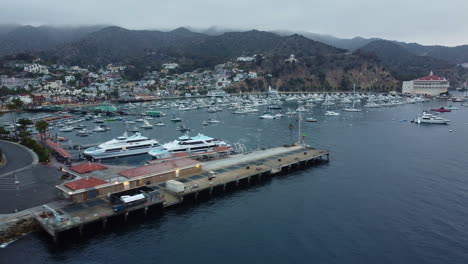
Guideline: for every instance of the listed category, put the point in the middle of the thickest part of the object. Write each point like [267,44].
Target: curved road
[17,156]
[23,182]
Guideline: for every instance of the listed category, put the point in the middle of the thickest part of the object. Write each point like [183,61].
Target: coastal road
[18,157]
[23,182]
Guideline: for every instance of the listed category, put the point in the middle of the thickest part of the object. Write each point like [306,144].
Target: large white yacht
[426,118]
[199,143]
[122,146]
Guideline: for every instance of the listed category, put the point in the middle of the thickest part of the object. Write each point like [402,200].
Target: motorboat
[204,123]
[176,119]
[279,115]
[352,110]
[199,143]
[331,113]
[183,129]
[160,124]
[66,129]
[130,122]
[122,146]
[133,129]
[84,132]
[146,125]
[372,105]
[267,116]
[302,109]
[310,119]
[427,118]
[441,110]
[100,129]
[213,121]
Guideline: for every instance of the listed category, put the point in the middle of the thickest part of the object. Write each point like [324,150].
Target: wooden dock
[217,174]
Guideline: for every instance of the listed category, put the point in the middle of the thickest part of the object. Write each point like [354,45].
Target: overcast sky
[422,21]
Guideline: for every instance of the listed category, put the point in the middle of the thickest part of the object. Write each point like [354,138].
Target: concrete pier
[214,175]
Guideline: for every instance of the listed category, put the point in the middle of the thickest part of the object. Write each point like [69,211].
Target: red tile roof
[431,78]
[160,167]
[58,149]
[87,167]
[84,183]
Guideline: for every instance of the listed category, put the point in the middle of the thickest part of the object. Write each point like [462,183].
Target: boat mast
[354,93]
[299,130]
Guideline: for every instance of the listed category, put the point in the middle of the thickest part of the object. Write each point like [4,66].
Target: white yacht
[426,118]
[122,146]
[199,143]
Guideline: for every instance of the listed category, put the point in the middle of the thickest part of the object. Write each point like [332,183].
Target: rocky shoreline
[16,228]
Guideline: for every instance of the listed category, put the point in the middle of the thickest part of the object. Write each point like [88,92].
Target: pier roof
[58,149]
[87,167]
[84,183]
[160,167]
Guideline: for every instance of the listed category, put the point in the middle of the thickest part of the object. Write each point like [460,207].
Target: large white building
[430,85]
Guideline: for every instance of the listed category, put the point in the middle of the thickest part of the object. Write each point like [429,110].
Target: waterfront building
[430,85]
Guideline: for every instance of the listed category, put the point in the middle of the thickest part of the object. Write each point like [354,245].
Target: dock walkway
[214,174]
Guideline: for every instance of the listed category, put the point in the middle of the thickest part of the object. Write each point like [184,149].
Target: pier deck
[214,174]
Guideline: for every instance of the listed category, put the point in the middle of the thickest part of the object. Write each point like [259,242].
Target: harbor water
[393,192]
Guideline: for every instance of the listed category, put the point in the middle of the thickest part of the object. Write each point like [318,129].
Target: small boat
[160,124]
[205,123]
[267,116]
[279,115]
[133,129]
[213,121]
[352,110]
[372,105]
[98,121]
[67,129]
[310,119]
[302,109]
[62,139]
[130,122]
[84,132]
[99,129]
[441,110]
[176,119]
[146,125]
[183,129]
[451,107]
[331,113]
[140,120]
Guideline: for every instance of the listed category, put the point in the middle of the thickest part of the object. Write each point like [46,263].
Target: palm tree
[41,127]
[24,123]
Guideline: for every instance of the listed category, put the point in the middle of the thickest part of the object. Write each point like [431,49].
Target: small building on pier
[96,180]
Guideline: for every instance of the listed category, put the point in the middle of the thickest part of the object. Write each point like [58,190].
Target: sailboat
[353,109]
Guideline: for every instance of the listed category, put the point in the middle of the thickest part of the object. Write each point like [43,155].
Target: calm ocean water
[393,192]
